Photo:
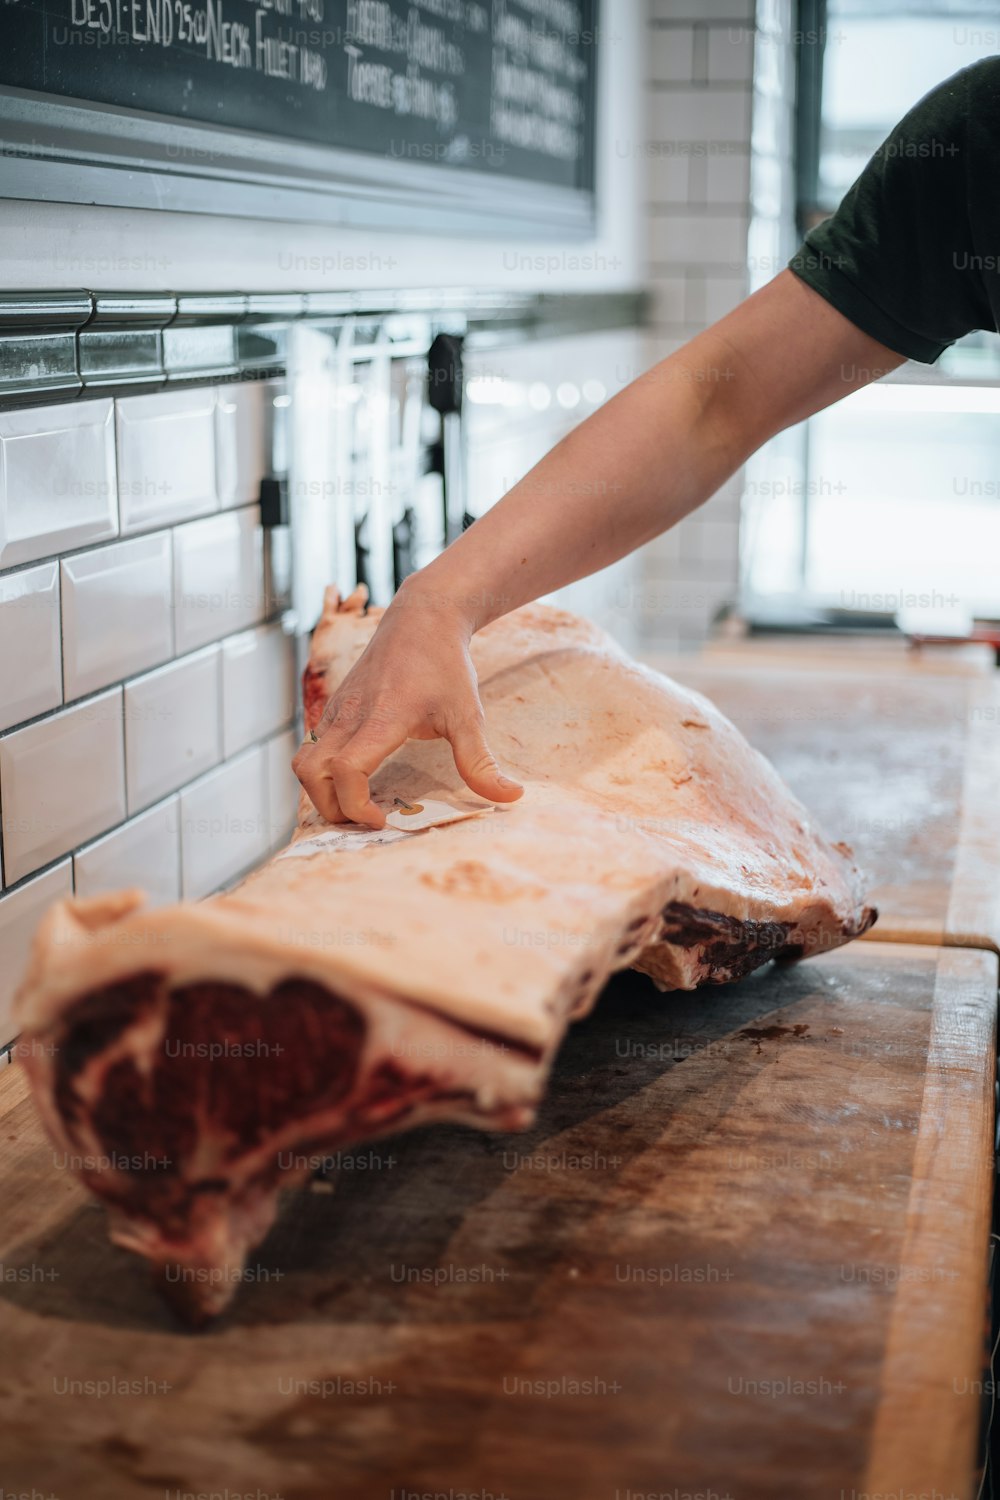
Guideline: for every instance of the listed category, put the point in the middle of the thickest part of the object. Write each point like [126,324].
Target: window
[890,500]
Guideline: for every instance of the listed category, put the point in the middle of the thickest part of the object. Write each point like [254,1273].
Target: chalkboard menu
[502,89]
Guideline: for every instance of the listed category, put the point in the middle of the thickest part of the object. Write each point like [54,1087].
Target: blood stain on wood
[758,1034]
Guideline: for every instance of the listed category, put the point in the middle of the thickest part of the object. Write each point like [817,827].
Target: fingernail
[506,781]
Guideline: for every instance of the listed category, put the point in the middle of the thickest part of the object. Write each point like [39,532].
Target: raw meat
[196,1059]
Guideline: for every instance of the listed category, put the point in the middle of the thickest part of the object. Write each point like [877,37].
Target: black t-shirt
[912,255]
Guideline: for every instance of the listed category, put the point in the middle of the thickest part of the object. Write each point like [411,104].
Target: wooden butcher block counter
[903,767]
[743,1253]
[867,653]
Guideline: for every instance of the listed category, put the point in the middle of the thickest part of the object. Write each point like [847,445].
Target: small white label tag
[427,813]
[351,836]
[399,825]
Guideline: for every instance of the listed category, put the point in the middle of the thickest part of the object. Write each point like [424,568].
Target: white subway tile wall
[224,824]
[779,467]
[62,780]
[701,240]
[20,914]
[243,429]
[147,686]
[258,686]
[672,55]
[701,102]
[145,853]
[116,612]
[282,787]
[173,726]
[131,568]
[218,577]
[166,458]
[730,53]
[57,480]
[718,12]
[30,657]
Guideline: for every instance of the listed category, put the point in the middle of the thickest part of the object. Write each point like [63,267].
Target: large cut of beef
[196,1059]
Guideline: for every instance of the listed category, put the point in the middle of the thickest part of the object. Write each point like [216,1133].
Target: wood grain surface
[905,769]
[861,653]
[742,1253]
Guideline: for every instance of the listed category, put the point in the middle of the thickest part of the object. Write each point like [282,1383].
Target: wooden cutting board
[850,653]
[904,769]
[743,1252]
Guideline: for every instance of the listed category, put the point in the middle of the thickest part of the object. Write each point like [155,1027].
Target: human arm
[637,466]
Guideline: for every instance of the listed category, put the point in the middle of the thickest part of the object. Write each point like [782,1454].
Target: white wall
[773,520]
[147,685]
[62,245]
[703,80]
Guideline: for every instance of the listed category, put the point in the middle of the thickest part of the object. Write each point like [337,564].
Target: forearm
[630,471]
[654,452]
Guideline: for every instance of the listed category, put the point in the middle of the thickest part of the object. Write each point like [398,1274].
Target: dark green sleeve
[899,258]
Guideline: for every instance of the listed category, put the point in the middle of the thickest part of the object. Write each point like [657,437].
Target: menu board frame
[68,150]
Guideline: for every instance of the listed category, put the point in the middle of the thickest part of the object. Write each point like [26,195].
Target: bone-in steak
[196,1059]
